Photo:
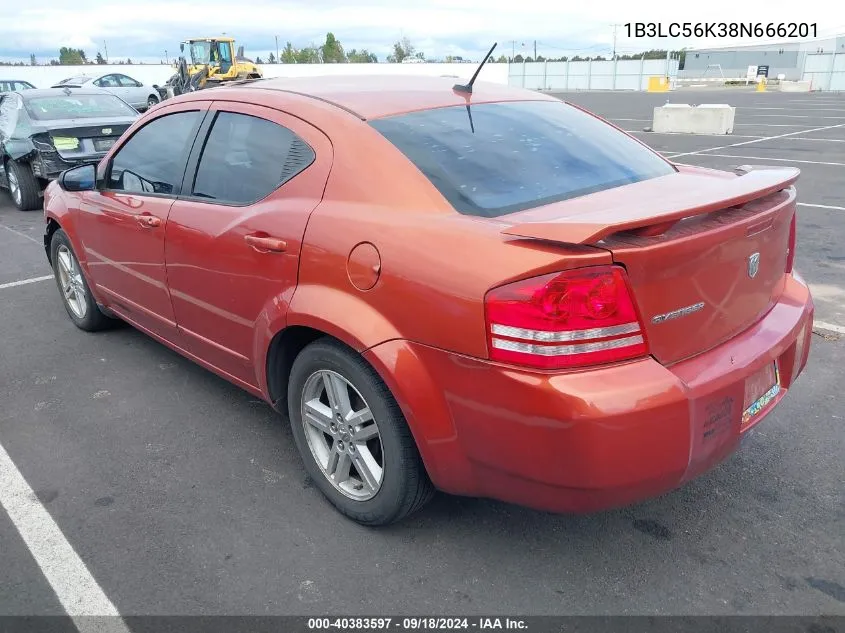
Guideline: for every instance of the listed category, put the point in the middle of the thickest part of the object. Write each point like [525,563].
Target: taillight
[571,319]
[790,251]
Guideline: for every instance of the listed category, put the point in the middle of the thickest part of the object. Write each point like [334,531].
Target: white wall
[590,75]
[45,76]
[825,71]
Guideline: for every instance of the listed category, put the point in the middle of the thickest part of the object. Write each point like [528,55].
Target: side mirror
[81,178]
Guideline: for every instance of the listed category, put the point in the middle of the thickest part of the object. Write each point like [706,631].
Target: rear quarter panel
[435,265]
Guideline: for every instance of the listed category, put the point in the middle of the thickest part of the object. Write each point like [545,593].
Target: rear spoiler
[652,206]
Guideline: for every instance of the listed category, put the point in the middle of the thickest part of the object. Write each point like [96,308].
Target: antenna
[468,86]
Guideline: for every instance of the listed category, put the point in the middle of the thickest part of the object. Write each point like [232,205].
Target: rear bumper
[594,439]
[48,165]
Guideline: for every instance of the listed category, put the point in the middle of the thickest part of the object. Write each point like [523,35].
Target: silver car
[14,85]
[133,92]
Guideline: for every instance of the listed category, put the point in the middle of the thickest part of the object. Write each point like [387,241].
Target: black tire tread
[95,320]
[419,490]
[28,183]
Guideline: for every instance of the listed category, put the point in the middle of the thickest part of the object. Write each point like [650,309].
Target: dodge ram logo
[753,264]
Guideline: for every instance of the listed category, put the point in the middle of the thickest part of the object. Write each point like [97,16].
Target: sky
[143,31]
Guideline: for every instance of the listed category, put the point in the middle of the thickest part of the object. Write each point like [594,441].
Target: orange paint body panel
[584,441]
[363,247]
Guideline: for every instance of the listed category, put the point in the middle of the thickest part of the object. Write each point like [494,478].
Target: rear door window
[127,82]
[246,158]
[109,81]
[498,158]
[153,160]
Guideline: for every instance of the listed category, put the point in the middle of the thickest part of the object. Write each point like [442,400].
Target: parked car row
[45,131]
[14,85]
[140,96]
[137,94]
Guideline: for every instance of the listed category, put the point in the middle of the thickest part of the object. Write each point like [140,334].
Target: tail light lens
[790,252]
[563,320]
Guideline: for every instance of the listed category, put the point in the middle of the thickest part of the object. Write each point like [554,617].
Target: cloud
[144,30]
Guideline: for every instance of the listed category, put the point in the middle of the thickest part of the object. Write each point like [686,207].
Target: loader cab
[213,52]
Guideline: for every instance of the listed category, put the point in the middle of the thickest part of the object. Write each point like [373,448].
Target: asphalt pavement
[184,495]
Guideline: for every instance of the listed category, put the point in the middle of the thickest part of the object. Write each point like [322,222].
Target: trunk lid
[78,138]
[705,251]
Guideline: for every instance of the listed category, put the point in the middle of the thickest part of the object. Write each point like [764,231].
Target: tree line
[332,52]
[70,57]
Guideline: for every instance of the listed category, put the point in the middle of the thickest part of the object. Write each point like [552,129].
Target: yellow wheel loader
[210,61]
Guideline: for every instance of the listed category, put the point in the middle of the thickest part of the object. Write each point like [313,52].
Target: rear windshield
[514,156]
[78,80]
[77,106]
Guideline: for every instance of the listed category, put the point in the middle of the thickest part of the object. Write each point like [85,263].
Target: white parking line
[823,140]
[687,135]
[770,125]
[24,235]
[75,587]
[759,140]
[830,327]
[805,109]
[793,116]
[782,160]
[24,282]
[820,206]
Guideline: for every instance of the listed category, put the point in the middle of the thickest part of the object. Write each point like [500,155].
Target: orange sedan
[485,291]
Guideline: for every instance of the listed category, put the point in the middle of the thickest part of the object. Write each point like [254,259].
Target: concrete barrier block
[682,118]
[795,86]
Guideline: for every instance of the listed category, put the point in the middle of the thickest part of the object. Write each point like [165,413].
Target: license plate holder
[103,144]
[760,389]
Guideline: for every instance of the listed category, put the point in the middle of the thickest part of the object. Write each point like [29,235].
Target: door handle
[260,243]
[149,221]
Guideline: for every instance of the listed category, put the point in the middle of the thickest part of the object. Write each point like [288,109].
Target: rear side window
[513,156]
[127,82]
[246,157]
[153,160]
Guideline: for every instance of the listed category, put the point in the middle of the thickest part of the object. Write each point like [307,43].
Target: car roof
[375,96]
[76,80]
[61,92]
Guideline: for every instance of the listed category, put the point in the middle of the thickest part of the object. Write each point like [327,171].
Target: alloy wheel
[70,280]
[343,435]
[14,185]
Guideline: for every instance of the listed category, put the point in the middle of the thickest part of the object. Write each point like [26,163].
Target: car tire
[23,186]
[402,486]
[75,291]
[151,101]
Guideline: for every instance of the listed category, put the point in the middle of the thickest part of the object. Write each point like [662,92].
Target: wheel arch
[53,225]
[284,347]
[287,344]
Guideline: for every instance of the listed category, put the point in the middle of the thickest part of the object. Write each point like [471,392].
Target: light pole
[614,39]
